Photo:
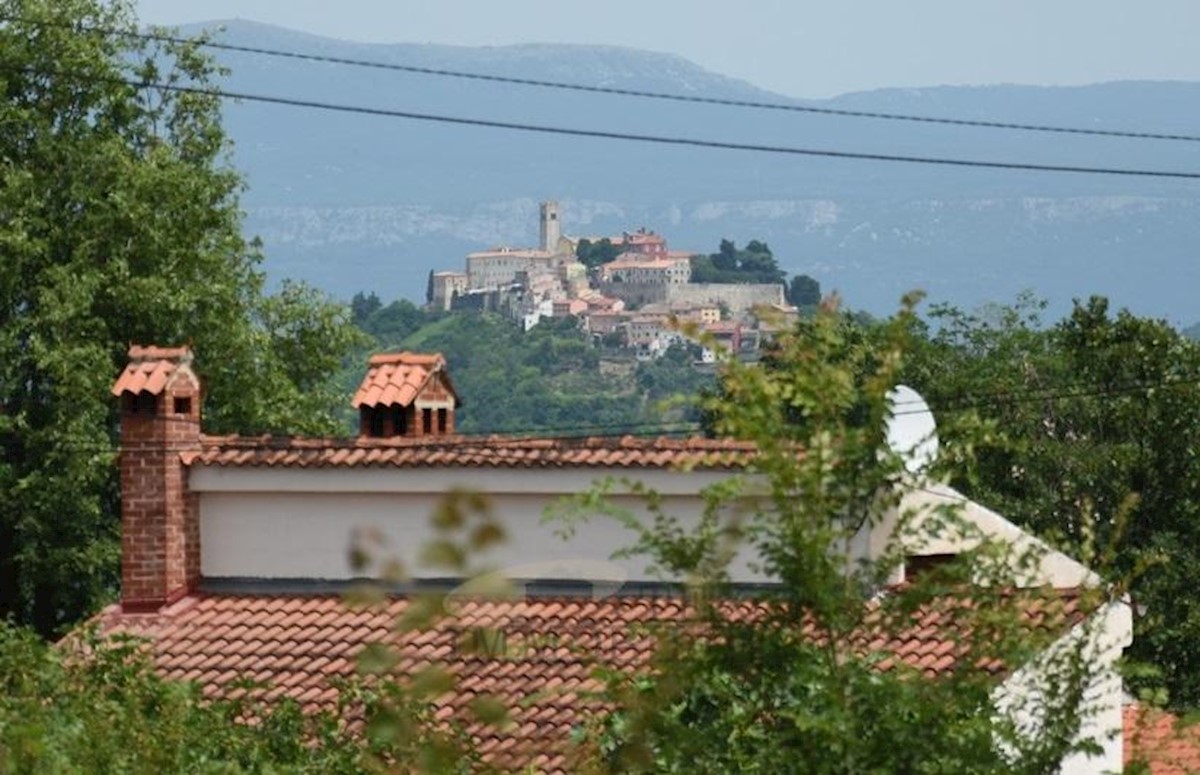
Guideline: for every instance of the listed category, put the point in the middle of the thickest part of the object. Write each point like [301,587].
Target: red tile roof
[639,238]
[471,452]
[1159,741]
[396,378]
[151,369]
[294,645]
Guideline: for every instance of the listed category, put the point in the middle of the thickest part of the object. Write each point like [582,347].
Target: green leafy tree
[593,254]
[96,705]
[789,680]
[804,291]
[390,324]
[1094,408]
[363,305]
[119,223]
[754,264]
[726,257]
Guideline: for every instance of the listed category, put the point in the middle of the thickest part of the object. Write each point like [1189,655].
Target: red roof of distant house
[150,369]
[396,378]
[296,644]
[640,238]
[471,451]
[1161,741]
[598,302]
[631,260]
[722,327]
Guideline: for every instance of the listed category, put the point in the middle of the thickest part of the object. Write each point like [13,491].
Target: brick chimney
[406,394]
[160,525]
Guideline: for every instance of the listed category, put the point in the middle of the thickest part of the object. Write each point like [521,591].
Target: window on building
[141,403]
[442,417]
[916,566]
[426,421]
[376,417]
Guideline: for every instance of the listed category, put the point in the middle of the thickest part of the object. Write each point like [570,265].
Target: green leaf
[490,710]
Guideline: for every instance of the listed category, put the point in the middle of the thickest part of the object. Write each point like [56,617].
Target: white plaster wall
[260,523]
[1101,639]
[1052,567]
[298,523]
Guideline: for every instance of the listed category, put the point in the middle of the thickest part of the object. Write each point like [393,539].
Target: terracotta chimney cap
[397,378]
[152,369]
[408,358]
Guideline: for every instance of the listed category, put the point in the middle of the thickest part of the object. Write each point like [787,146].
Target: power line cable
[655,139]
[1048,394]
[585,430]
[660,139]
[647,429]
[639,93]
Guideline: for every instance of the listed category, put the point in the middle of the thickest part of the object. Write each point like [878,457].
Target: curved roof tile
[214,640]
[397,378]
[471,452]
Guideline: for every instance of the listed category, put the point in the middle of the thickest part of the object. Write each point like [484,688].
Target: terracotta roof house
[235,551]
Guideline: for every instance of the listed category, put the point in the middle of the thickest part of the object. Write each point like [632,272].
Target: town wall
[740,299]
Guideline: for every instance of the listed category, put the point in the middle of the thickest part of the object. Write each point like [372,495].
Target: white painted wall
[1101,640]
[1052,567]
[298,523]
[294,523]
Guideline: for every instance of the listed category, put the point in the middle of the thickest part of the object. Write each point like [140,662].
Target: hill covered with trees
[553,379]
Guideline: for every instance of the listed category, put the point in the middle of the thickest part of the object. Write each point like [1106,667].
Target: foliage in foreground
[109,712]
[796,681]
[95,705]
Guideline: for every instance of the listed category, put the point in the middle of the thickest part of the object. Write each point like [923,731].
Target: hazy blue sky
[806,49]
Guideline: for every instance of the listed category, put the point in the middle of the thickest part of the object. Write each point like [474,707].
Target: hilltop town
[628,290]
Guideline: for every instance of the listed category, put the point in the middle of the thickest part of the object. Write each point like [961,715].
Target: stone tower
[550,228]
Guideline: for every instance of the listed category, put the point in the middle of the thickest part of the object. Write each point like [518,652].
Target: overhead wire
[658,428]
[628,92]
[179,88]
[1036,395]
[659,139]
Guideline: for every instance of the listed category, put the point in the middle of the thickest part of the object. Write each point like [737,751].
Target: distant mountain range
[353,202]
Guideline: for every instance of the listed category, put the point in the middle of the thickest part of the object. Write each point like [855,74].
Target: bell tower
[550,229]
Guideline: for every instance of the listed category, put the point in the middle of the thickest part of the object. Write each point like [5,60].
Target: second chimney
[406,394]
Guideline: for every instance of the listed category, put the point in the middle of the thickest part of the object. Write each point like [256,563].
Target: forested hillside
[550,380]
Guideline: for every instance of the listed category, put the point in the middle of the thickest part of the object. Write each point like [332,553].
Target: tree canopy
[120,223]
[593,254]
[804,292]
[1092,410]
[753,264]
[549,379]
[791,678]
